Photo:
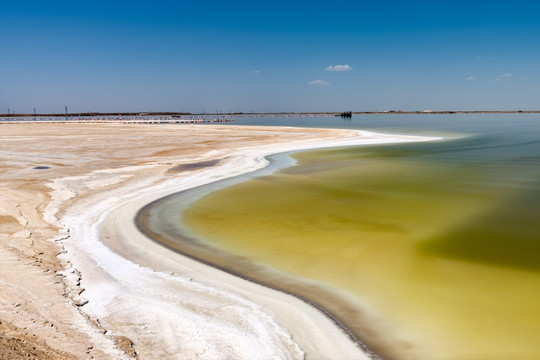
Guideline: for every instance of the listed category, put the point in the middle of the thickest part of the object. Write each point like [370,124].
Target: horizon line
[165,113]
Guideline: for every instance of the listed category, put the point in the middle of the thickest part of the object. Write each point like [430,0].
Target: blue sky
[204,56]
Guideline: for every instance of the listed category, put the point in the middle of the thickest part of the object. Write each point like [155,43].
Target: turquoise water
[439,242]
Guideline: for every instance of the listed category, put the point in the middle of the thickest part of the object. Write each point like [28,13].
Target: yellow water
[430,248]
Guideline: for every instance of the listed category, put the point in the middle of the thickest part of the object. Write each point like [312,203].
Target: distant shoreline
[385,112]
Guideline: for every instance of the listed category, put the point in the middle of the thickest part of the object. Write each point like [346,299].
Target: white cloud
[257,71]
[470,78]
[503,76]
[318,83]
[339,68]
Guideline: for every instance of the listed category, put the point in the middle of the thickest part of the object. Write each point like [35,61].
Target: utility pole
[34,114]
[66,112]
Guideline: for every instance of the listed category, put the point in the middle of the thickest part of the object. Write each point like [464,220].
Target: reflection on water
[441,240]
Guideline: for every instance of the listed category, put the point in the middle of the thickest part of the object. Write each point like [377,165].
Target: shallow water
[440,241]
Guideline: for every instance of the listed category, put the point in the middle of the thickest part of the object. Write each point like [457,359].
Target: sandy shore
[78,279]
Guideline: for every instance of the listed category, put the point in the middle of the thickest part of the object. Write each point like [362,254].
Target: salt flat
[66,190]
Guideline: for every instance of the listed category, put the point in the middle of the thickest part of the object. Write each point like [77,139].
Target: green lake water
[439,242]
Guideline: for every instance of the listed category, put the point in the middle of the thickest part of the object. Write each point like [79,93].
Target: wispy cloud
[470,78]
[318,83]
[256,71]
[339,68]
[502,76]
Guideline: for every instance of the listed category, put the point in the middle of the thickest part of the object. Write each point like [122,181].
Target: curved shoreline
[181,306]
[141,221]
